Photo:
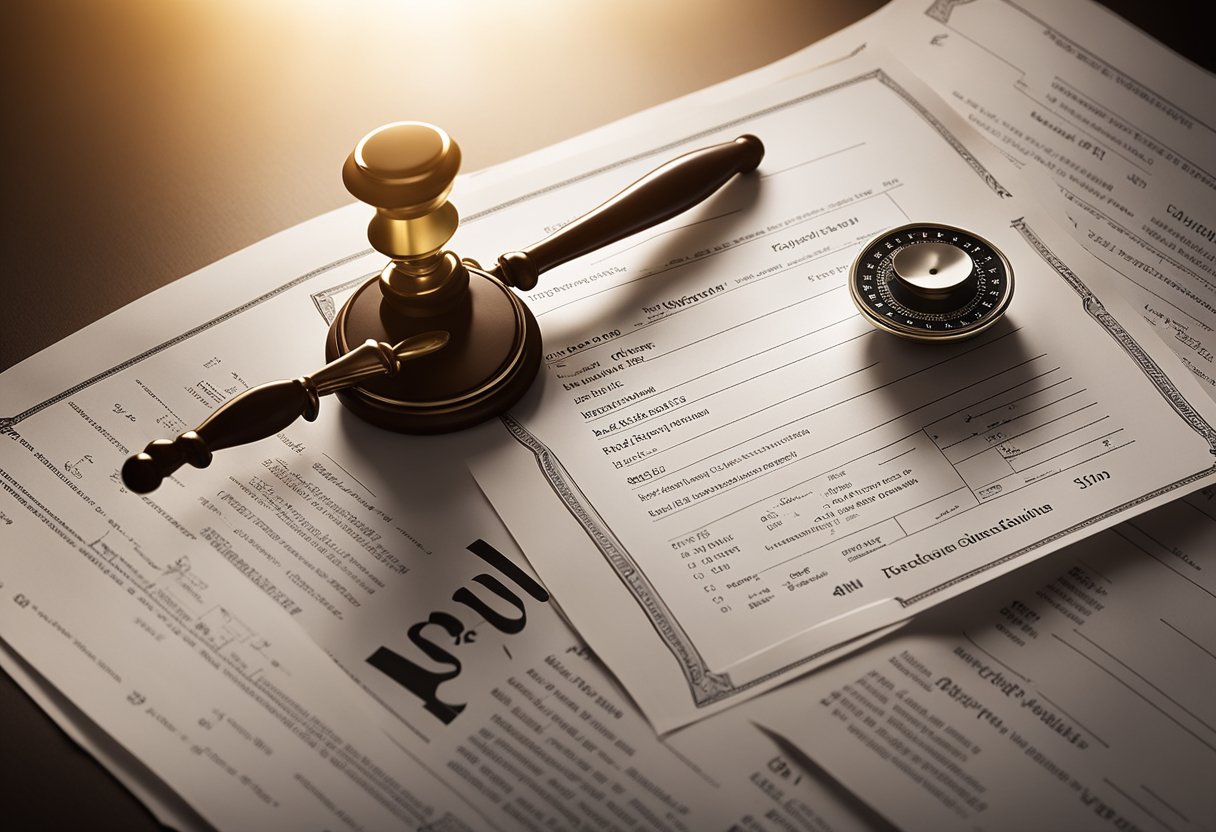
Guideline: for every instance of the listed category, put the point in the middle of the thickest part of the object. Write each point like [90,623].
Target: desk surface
[145,140]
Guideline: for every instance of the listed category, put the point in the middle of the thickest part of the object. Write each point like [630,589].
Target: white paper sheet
[1073,695]
[213,688]
[1119,131]
[761,476]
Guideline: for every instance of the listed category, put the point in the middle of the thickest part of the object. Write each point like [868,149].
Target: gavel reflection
[435,343]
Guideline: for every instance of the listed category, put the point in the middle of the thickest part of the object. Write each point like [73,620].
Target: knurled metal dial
[931,282]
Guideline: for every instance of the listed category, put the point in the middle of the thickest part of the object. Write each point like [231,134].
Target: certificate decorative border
[705,685]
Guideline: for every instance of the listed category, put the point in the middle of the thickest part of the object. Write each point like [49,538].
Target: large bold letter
[421,682]
[511,626]
[500,562]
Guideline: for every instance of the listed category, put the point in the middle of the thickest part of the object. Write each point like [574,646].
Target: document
[215,690]
[1075,694]
[721,447]
[330,628]
[1121,130]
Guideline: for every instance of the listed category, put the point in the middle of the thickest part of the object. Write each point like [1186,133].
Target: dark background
[144,139]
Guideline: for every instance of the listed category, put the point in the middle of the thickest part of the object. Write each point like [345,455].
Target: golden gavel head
[406,167]
[405,170]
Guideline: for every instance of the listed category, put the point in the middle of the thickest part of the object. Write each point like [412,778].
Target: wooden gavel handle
[255,414]
[659,195]
[265,410]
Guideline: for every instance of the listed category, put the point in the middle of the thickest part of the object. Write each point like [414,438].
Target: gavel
[435,343]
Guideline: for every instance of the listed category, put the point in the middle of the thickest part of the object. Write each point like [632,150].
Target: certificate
[726,475]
